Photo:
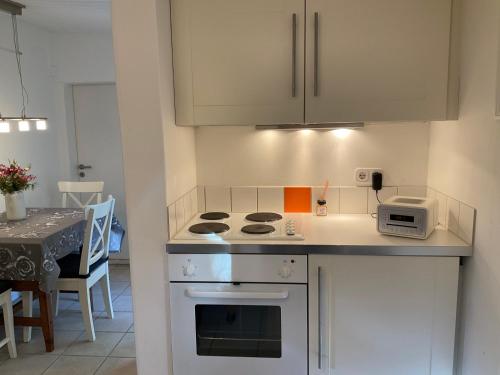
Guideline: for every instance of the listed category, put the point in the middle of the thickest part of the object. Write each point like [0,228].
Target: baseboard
[125,262]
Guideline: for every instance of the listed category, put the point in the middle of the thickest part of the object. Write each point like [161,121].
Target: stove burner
[214,216]
[209,228]
[258,229]
[264,217]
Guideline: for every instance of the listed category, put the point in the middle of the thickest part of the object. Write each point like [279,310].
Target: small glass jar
[321,208]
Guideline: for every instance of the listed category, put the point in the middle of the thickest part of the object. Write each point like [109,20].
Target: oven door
[245,329]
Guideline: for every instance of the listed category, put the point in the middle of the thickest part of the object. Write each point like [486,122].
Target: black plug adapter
[377,181]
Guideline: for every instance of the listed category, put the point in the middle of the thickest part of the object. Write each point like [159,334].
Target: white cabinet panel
[233,61]
[378,60]
[382,315]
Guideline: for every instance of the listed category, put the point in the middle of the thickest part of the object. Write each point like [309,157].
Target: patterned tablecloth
[29,248]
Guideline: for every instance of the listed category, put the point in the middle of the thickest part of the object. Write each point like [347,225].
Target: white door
[238,62]
[382,315]
[98,144]
[377,60]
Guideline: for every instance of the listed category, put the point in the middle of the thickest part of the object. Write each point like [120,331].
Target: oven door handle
[194,293]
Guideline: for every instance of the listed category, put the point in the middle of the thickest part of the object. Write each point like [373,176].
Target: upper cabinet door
[238,62]
[377,60]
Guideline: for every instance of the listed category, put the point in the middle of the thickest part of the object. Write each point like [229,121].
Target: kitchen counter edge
[303,249]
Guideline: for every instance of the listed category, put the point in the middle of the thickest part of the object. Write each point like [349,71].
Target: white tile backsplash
[353,200]
[452,215]
[218,198]
[193,196]
[244,199]
[413,191]
[386,193]
[466,220]
[458,217]
[332,199]
[180,216]
[200,193]
[270,199]
[186,199]
[443,208]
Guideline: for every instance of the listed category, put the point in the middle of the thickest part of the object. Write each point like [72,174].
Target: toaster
[413,217]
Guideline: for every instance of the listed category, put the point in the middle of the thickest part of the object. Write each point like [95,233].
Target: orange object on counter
[298,199]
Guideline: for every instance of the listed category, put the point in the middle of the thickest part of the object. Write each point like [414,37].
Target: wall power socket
[363,176]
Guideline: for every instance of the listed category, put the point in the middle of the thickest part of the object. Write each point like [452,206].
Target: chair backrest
[97,232]
[70,188]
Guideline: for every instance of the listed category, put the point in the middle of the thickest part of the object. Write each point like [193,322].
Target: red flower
[15,178]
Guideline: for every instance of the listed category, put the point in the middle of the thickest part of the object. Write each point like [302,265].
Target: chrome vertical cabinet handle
[294,55]
[319,319]
[316,53]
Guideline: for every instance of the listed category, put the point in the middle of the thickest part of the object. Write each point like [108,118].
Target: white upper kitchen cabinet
[262,62]
[238,62]
[378,60]
[382,315]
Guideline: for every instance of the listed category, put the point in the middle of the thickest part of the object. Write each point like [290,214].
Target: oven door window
[238,331]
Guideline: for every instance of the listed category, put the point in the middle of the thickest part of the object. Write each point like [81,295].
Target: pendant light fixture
[24,122]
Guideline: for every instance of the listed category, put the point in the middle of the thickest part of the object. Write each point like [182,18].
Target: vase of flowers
[14,180]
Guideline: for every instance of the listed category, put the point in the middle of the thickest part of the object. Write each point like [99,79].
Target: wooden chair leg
[47,320]
[106,294]
[27,313]
[9,328]
[88,321]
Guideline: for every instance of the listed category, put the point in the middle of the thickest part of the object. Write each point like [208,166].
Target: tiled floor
[112,353]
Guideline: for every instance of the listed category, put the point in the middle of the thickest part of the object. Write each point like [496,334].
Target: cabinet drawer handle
[294,55]
[319,319]
[194,293]
[316,53]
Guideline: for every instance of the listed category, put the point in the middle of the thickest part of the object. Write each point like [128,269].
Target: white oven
[238,314]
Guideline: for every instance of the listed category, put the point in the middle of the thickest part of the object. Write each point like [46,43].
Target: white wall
[464,161]
[45,151]
[244,156]
[180,158]
[51,63]
[83,57]
[78,58]
[153,150]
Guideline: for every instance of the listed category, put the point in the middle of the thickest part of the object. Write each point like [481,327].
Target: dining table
[30,248]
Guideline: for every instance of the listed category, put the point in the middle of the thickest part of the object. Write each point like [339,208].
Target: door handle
[319,319]
[294,55]
[194,293]
[316,53]
[83,166]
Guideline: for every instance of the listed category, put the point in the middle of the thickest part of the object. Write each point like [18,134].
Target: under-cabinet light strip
[321,126]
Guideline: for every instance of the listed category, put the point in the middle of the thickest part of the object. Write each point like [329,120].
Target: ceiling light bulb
[41,125]
[4,127]
[24,126]
[341,133]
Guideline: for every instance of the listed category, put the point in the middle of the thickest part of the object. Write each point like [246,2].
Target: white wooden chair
[70,188]
[79,272]
[8,317]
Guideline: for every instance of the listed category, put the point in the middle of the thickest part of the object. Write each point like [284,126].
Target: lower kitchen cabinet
[382,315]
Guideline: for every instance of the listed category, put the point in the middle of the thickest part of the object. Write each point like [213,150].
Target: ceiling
[68,15]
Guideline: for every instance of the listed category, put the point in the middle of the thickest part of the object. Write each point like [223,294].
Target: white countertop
[336,234]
